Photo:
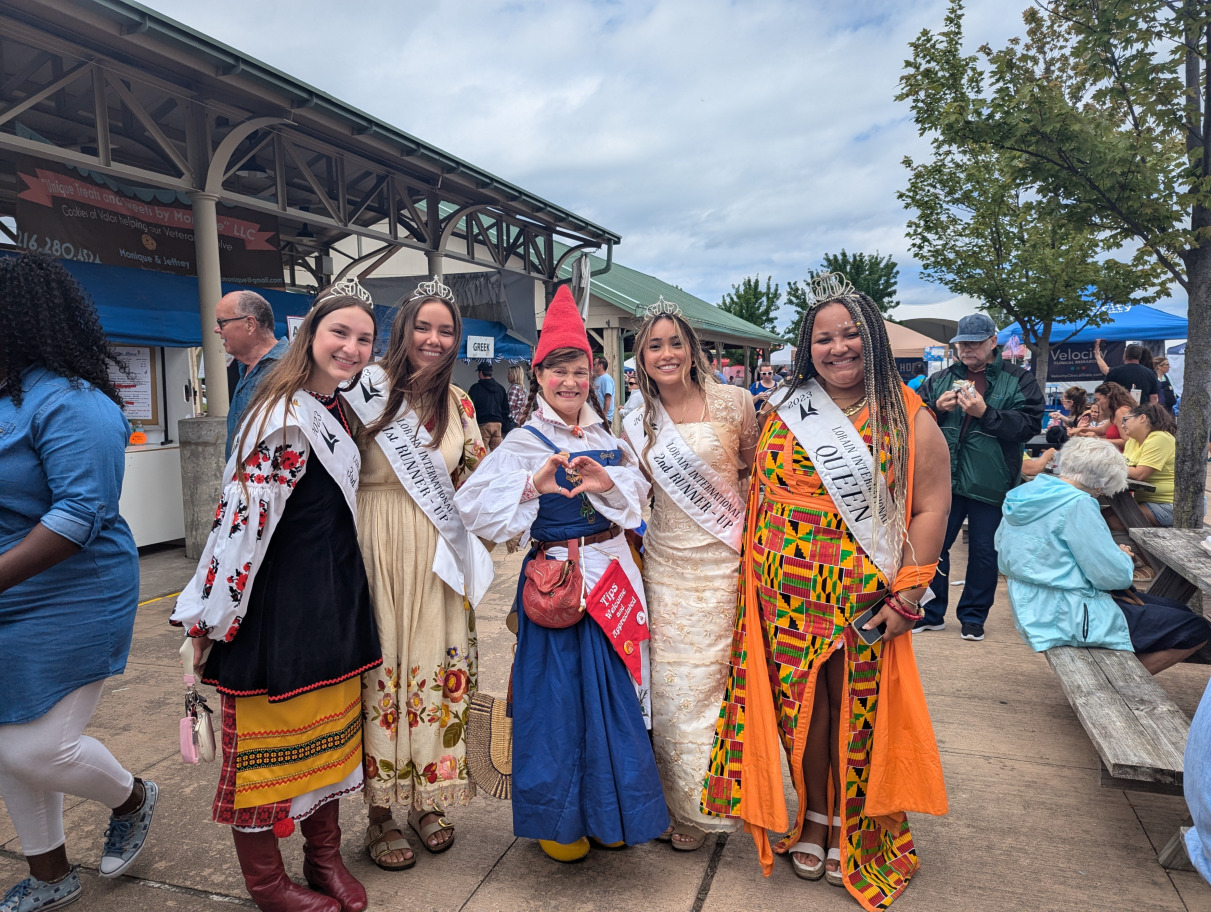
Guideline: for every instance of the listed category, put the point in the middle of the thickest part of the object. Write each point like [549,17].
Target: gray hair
[1094,464]
[251,304]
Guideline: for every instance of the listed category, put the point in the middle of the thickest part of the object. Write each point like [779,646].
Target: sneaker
[925,625]
[972,632]
[125,835]
[37,895]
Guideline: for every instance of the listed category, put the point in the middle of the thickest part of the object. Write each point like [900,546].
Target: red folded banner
[619,611]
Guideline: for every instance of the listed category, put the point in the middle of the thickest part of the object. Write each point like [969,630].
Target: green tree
[754,304]
[871,274]
[1101,106]
[979,232]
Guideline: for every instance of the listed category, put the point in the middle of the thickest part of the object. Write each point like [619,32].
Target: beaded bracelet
[900,606]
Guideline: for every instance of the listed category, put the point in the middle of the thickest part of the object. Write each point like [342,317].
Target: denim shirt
[249,378]
[62,457]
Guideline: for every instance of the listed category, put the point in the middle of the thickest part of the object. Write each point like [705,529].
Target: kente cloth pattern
[274,752]
[813,580]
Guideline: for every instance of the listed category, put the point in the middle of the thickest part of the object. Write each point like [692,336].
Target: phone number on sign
[62,249]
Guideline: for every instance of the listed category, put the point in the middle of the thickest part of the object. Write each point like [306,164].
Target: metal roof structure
[114,87]
[631,291]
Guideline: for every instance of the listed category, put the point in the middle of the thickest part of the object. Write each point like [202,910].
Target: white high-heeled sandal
[836,878]
[818,870]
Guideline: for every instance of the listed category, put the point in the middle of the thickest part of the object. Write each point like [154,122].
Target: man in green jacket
[986,409]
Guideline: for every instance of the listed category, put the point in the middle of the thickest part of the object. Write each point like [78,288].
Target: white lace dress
[690,580]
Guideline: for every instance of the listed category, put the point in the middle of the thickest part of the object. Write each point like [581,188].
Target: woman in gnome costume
[419,439]
[582,763]
[281,595]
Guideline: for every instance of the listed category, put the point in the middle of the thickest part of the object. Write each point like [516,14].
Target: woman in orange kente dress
[828,538]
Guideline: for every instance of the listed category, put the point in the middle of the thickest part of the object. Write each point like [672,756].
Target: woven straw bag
[490,742]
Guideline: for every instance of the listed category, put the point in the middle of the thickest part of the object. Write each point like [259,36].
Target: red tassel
[284,827]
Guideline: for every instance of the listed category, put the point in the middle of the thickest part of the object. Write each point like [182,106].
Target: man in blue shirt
[604,384]
[244,321]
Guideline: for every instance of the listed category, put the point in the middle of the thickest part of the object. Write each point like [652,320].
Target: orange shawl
[905,768]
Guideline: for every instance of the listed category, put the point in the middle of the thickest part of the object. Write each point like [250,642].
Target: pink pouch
[189,749]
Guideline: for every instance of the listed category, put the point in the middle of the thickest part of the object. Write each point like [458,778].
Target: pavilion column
[210,289]
[611,348]
[748,380]
[434,259]
[203,440]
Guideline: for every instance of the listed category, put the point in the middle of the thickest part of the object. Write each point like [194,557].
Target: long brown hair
[427,387]
[1116,394]
[1080,404]
[555,359]
[286,377]
[699,374]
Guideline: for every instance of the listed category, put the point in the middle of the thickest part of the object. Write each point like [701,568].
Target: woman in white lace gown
[689,571]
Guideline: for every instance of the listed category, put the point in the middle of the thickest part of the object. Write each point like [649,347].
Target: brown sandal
[429,829]
[379,844]
[693,843]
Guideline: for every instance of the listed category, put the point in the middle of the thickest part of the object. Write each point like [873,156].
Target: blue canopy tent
[1136,322]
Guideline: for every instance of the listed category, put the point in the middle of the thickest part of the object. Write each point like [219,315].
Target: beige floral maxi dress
[415,703]
[690,580]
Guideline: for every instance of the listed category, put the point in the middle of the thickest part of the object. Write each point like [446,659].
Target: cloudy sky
[720,139]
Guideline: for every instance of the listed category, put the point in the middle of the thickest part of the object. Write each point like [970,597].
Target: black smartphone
[872,636]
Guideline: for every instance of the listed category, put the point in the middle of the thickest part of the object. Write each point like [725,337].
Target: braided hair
[890,425]
[47,318]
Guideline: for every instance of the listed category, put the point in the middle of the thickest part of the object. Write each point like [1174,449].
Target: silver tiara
[829,286]
[433,289]
[661,308]
[351,288]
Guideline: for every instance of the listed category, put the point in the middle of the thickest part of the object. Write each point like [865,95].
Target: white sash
[845,465]
[330,442]
[461,560]
[701,492]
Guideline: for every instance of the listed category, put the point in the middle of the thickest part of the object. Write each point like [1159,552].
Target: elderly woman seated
[1062,562]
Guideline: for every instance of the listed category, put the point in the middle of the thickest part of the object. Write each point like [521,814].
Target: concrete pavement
[1029,827]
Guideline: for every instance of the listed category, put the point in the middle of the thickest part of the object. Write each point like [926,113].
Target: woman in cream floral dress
[691,625]
[416,703]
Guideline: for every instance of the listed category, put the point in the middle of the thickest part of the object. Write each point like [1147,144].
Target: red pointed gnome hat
[562,327]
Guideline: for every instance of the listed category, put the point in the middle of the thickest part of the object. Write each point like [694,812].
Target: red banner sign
[77,215]
[618,610]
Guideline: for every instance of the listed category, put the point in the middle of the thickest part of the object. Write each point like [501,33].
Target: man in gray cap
[987,409]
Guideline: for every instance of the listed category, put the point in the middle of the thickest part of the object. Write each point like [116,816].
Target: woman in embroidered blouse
[812,565]
[69,576]
[287,659]
[691,625]
[582,761]
[416,701]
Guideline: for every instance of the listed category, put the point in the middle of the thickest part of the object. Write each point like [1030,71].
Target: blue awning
[140,307]
[1134,323]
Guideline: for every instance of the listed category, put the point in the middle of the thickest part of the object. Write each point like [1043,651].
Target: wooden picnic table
[1127,509]
[1185,570]
[1186,566]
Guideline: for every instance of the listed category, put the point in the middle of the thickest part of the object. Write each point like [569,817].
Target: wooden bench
[1138,732]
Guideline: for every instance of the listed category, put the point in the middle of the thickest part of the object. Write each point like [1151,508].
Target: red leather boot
[322,864]
[266,880]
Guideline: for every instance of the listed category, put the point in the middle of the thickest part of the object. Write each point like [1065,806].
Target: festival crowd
[334,606]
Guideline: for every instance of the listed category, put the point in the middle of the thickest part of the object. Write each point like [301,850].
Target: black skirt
[309,621]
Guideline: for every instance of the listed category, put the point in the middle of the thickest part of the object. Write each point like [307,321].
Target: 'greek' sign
[480,348]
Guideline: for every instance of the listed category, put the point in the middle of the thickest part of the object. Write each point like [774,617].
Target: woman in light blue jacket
[1060,559]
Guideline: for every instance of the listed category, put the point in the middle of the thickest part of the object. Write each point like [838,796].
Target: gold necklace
[852,410]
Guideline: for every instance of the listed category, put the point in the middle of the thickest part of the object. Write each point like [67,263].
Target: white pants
[43,759]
